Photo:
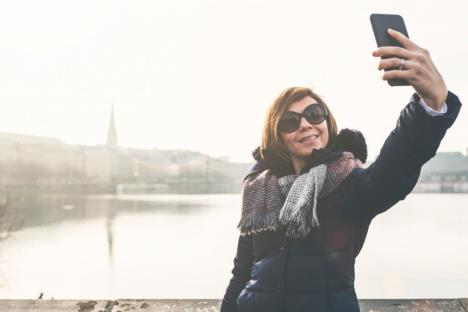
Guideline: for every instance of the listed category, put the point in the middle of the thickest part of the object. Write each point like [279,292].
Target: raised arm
[240,273]
[416,137]
[396,170]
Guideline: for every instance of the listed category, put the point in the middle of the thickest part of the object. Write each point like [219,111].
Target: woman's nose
[304,123]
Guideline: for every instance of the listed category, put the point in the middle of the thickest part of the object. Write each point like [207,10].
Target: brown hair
[271,136]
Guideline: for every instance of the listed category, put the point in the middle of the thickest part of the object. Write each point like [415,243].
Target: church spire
[112,133]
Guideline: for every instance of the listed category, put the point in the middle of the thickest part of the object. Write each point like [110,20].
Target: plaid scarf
[269,202]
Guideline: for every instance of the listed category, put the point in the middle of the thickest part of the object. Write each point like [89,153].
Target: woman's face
[316,135]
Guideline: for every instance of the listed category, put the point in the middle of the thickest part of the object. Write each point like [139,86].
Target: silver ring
[402,64]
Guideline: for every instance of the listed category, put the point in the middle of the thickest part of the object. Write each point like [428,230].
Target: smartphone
[380,24]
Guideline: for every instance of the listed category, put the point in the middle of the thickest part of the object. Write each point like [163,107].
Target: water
[182,246]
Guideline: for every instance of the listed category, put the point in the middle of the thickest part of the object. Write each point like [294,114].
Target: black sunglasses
[314,114]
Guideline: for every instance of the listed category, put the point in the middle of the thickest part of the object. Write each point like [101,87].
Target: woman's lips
[312,139]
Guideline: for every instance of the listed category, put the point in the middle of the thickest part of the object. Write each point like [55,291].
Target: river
[182,246]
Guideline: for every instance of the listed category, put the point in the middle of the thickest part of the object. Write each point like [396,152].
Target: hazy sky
[200,75]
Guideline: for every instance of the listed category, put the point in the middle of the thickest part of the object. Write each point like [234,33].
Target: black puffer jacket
[273,273]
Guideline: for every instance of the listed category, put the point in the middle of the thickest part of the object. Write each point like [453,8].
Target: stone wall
[212,305]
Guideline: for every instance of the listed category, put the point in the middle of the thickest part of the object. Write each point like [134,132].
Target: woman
[308,201]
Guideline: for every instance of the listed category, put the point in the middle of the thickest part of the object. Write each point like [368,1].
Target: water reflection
[34,210]
[148,246]
[41,211]
[74,246]
[110,231]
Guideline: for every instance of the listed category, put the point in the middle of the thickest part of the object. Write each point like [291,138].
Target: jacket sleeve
[396,170]
[240,273]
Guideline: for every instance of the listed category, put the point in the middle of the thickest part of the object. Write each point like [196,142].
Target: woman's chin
[307,152]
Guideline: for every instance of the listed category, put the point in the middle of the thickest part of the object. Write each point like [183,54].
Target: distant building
[98,163]
[445,163]
[33,162]
[447,172]
[12,138]
[112,132]
[25,148]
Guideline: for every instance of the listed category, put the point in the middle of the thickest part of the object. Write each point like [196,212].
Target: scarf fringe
[299,211]
[255,223]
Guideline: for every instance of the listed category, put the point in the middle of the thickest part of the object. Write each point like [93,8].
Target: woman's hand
[418,69]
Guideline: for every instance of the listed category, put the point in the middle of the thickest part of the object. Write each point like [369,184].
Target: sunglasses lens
[289,123]
[314,114]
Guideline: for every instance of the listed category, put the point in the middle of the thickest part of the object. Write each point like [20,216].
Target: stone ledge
[212,305]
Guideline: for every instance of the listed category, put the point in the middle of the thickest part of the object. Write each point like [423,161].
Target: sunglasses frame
[303,114]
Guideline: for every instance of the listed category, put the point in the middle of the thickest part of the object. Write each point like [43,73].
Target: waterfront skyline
[199,76]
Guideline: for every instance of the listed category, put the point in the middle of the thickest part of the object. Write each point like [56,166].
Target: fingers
[405,41]
[409,71]
[392,51]
[401,74]
[418,69]
[405,52]
[394,63]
